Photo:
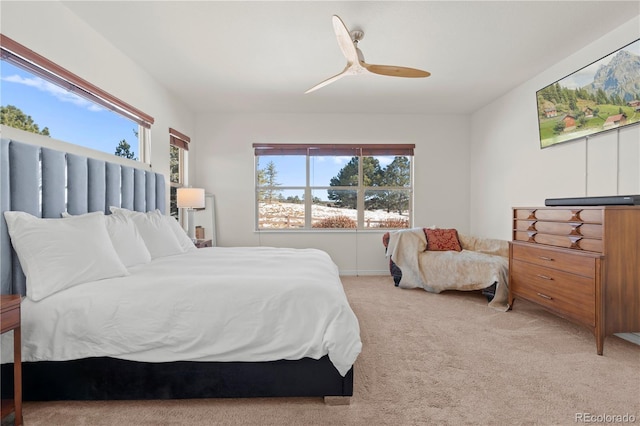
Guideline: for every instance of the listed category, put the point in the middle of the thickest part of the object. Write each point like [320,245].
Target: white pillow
[155,231]
[56,254]
[126,240]
[181,235]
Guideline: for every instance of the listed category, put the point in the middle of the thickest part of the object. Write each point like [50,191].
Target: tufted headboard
[45,182]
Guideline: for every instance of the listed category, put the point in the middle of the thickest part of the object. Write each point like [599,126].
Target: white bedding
[212,304]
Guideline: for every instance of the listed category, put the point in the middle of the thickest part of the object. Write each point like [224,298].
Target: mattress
[213,304]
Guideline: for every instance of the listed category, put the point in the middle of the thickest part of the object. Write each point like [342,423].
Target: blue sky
[69,117]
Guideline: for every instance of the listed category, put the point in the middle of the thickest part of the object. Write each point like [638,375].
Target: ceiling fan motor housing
[357,35]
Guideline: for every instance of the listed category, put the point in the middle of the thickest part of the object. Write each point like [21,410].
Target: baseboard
[354,273]
[631,337]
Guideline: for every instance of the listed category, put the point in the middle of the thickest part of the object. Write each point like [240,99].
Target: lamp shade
[190,198]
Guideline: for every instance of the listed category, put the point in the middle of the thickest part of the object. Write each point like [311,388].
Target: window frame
[347,150]
[179,141]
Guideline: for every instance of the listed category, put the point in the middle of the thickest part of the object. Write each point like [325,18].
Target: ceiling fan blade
[327,81]
[344,40]
[395,71]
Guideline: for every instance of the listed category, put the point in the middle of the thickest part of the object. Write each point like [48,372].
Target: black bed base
[116,379]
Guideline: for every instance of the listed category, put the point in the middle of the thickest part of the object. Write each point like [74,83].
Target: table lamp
[190,198]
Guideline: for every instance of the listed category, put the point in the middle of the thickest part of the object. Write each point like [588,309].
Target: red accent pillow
[385,239]
[442,239]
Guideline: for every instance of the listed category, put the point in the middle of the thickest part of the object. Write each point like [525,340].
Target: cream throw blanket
[481,263]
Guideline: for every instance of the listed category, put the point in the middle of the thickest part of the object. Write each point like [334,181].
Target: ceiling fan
[348,42]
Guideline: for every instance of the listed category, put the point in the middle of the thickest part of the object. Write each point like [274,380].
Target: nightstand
[203,243]
[10,320]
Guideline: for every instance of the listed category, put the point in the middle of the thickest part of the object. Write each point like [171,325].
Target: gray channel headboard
[46,182]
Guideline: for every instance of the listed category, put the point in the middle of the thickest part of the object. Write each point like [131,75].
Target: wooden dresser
[581,263]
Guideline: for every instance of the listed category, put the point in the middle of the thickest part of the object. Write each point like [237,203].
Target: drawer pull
[546,258]
[544,296]
[544,277]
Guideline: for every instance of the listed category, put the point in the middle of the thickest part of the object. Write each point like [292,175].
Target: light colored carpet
[427,359]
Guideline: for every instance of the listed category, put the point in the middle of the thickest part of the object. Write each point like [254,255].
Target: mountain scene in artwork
[602,96]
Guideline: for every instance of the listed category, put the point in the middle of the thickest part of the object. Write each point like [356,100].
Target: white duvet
[213,304]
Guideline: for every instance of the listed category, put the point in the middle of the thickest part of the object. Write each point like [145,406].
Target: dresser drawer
[586,230]
[560,215]
[571,295]
[555,259]
[574,242]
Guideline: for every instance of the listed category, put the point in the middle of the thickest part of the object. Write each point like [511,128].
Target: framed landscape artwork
[602,96]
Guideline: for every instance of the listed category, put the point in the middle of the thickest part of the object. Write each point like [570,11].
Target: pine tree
[267,178]
[348,176]
[13,116]
[124,150]
[397,173]
[601,97]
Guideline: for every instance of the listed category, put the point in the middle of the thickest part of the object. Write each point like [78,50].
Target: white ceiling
[241,56]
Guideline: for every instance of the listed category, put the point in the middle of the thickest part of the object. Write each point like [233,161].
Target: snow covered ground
[290,215]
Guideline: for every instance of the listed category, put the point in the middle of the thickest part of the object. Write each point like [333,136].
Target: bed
[196,323]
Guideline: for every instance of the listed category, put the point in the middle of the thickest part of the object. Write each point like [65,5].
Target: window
[178,149]
[333,186]
[42,97]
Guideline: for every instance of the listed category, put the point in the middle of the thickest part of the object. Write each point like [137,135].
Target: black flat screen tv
[602,96]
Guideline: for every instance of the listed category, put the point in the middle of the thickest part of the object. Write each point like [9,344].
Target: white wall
[509,169]
[50,29]
[225,167]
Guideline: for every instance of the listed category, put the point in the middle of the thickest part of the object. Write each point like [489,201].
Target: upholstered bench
[441,259]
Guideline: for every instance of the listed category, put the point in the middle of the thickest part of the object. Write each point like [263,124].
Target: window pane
[340,197]
[285,213]
[176,177]
[33,104]
[327,214]
[173,202]
[333,171]
[387,171]
[387,209]
[281,170]
[174,164]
